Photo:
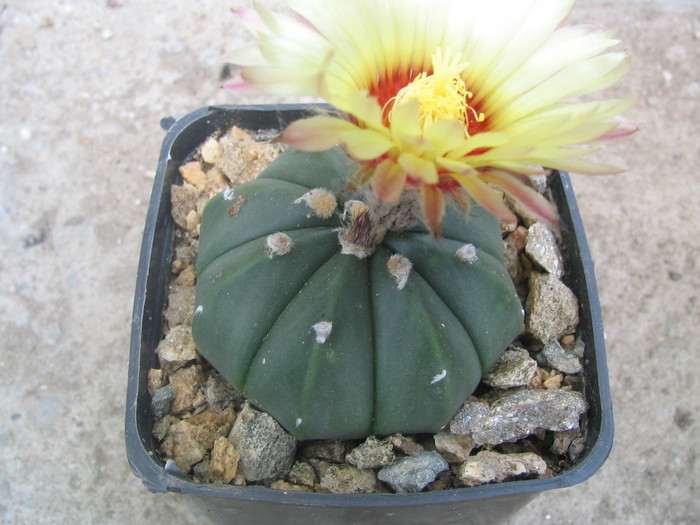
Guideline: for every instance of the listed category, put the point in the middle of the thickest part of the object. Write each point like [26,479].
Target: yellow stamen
[442,95]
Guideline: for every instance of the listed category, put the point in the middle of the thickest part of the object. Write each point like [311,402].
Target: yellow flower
[444,96]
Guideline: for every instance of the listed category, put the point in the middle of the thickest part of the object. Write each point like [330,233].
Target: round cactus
[332,321]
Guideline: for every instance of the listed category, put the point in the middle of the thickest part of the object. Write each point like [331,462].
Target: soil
[195,409]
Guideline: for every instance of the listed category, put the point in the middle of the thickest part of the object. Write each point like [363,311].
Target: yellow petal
[419,168]
[301,47]
[558,153]
[363,107]
[535,129]
[316,133]
[565,47]
[487,139]
[365,144]
[454,165]
[485,196]
[405,122]
[579,135]
[503,153]
[445,135]
[506,35]
[577,79]
[527,197]
[569,124]
[246,56]
[581,166]
[519,168]
[279,81]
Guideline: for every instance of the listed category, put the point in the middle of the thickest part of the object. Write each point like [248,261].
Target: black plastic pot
[488,504]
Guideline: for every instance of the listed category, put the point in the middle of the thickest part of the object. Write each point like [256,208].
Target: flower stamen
[442,95]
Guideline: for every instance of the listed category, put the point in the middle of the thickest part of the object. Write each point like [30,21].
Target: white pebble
[211,151]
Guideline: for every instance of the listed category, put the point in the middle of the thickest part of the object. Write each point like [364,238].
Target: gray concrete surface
[83,86]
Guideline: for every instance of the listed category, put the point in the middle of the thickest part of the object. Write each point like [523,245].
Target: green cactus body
[326,342]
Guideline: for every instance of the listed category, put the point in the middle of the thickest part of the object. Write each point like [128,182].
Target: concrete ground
[83,86]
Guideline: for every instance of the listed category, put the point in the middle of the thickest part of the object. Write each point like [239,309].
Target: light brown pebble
[223,465]
[186,383]
[186,277]
[155,380]
[192,172]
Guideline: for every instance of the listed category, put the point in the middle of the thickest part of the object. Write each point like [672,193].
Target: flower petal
[246,56]
[527,197]
[433,207]
[578,79]
[503,41]
[518,167]
[455,165]
[405,122]
[248,16]
[558,153]
[519,152]
[280,81]
[581,134]
[316,133]
[487,139]
[623,129]
[445,135]
[577,165]
[558,126]
[565,47]
[485,196]
[238,86]
[419,168]
[363,107]
[574,113]
[365,144]
[388,181]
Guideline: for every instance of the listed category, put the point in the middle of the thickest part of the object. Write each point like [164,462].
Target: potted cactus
[357,286]
[325,284]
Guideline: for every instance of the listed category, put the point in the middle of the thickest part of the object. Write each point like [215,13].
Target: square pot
[487,504]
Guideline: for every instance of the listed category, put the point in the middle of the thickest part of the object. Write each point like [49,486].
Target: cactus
[333,322]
